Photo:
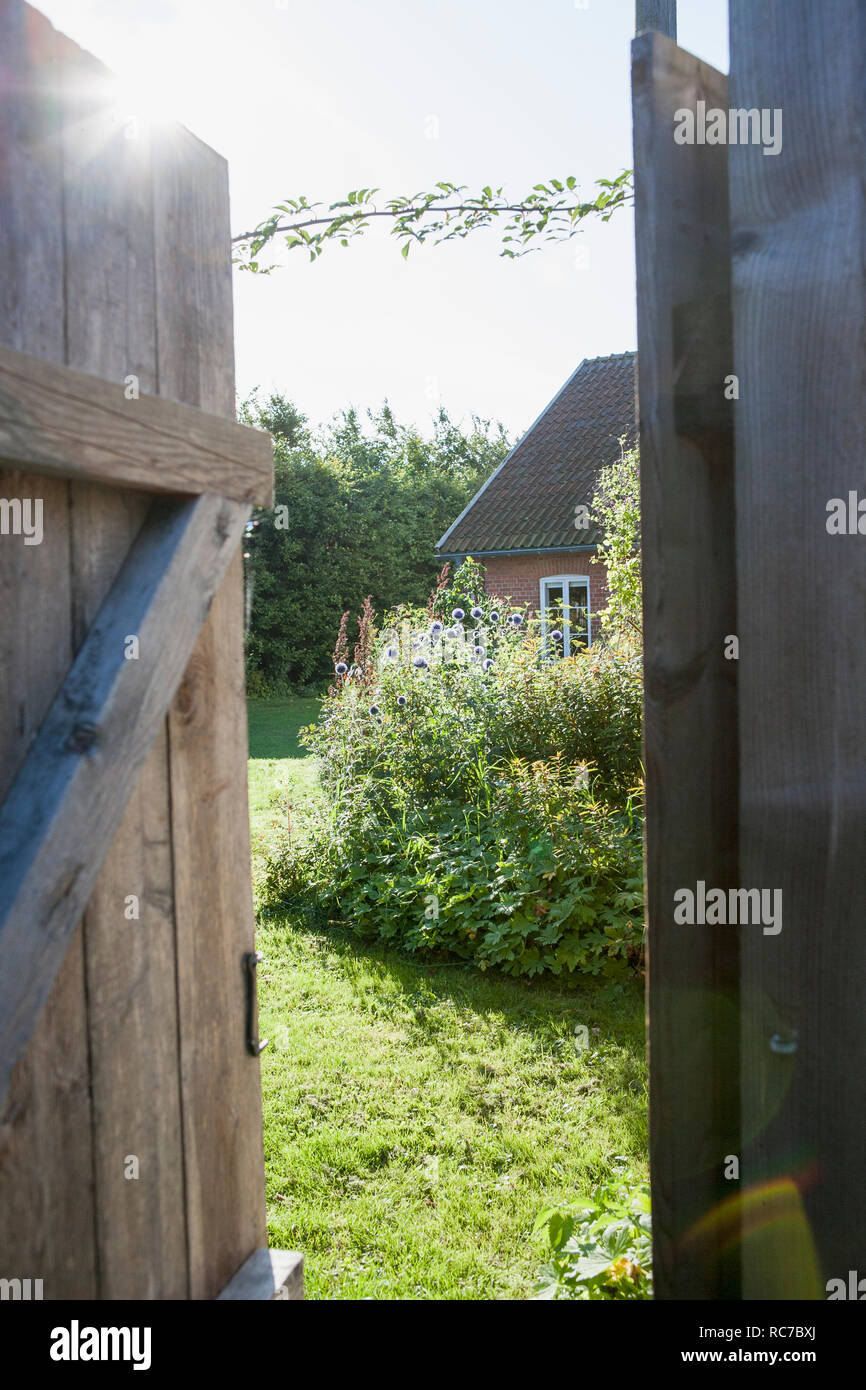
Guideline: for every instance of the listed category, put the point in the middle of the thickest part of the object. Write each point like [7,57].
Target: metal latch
[254,1045]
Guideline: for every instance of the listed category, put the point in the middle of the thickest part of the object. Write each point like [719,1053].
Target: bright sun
[139,103]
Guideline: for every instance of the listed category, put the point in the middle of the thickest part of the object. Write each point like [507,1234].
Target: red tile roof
[529,502]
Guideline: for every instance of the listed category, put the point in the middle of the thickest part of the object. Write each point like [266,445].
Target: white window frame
[564,580]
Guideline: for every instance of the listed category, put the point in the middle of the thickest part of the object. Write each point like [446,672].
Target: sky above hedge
[319,99]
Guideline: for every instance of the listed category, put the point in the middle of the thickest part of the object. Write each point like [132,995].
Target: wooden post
[690,729]
[658,15]
[797,222]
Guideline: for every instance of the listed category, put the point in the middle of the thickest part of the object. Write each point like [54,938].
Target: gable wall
[517,576]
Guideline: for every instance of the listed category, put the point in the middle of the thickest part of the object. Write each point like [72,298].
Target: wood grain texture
[99,305]
[689,586]
[800,345]
[47,1223]
[57,421]
[130,963]
[658,15]
[208,750]
[57,819]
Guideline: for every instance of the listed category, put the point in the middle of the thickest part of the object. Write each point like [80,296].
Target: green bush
[599,1247]
[358,507]
[481,797]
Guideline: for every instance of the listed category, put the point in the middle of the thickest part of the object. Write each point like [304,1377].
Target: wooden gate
[751,335]
[131,1160]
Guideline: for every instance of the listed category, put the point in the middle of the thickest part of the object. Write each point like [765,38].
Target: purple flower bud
[556,635]
[477,651]
[419,662]
[487,665]
[392,653]
[516,620]
[457,614]
[494,616]
[401,700]
[477,612]
[374,709]
[341,668]
[436,628]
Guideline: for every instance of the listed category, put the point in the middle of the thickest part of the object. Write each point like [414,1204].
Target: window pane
[553,604]
[554,618]
[579,615]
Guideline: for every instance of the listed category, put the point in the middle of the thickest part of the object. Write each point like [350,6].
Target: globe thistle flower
[477,612]
[374,709]
[435,628]
[420,662]
[494,616]
[457,614]
[556,635]
[478,651]
[392,653]
[341,668]
[488,664]
[401,701]
[453,632]
[516,620]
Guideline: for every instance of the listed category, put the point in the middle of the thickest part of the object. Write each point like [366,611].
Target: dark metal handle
[254,1045]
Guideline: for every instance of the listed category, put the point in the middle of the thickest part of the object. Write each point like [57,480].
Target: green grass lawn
[282,775]
[418,1116]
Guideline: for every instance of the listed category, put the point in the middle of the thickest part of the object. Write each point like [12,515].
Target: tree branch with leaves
[551,211]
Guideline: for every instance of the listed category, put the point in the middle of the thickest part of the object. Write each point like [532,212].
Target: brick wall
[517,576]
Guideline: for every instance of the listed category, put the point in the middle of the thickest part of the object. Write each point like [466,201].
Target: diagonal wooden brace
[58,820]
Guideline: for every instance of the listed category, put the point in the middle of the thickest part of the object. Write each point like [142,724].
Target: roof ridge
[611,357]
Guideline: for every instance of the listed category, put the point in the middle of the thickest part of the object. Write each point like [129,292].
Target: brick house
[524,525]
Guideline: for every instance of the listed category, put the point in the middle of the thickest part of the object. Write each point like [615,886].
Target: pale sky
[319,98]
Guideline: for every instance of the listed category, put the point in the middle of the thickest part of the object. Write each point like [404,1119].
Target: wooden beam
[58,421]
[47,1222]
[58,819]
[658,15]
[267,1275]
[131,1011]
[799,296]
[689,587]
[225,1182]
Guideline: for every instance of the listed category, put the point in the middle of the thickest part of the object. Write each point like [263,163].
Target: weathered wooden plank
[130,959]
[658,15]
[267,1275]
[46,1220]
[208,748]
[57,820]
[57,421]
[690,729]
[799,295]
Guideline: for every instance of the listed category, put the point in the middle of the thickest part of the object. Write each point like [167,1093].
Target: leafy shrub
[599,1247]
[458,716]
[358,506]
[616,507]
[481,798]
[526,884]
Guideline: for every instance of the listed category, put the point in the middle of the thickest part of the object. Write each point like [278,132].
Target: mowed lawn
[282,775]
[418,1115]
